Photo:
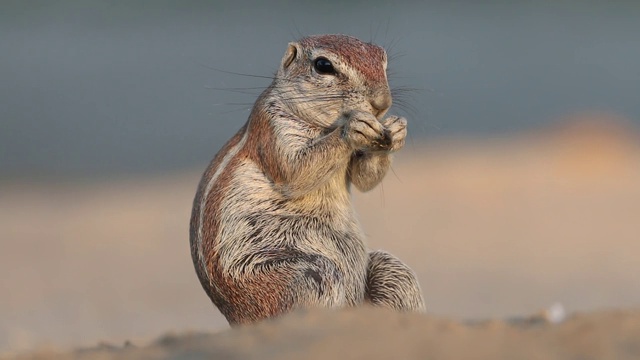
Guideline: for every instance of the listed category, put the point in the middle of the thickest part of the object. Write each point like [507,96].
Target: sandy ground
[367,333]
[495,228]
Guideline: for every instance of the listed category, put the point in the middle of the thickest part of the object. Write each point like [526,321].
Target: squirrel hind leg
[287,279]
[391,283]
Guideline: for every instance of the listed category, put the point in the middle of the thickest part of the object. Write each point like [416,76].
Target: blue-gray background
[112,88]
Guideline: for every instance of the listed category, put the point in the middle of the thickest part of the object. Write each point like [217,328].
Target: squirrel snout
[380,103]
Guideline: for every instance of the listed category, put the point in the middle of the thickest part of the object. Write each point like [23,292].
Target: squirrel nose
[380,104]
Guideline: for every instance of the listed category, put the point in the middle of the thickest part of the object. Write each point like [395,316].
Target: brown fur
[366,58]
[272,227]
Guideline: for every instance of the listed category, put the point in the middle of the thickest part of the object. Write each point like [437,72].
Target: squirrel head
[325,76]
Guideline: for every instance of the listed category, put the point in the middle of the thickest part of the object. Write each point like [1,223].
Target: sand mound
[368,333]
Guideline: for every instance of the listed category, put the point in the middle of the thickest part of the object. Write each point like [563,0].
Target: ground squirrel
[273,227]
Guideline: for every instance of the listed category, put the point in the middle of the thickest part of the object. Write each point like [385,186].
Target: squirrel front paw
[396,126]
[364,132]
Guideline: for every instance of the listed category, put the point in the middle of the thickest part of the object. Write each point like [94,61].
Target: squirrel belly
[272,227]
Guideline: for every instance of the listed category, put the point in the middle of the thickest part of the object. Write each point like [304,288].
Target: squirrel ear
[290,55]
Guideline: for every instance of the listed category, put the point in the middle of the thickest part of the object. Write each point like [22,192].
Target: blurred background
[519,186]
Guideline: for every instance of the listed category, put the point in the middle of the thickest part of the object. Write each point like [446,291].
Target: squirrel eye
[324,66]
